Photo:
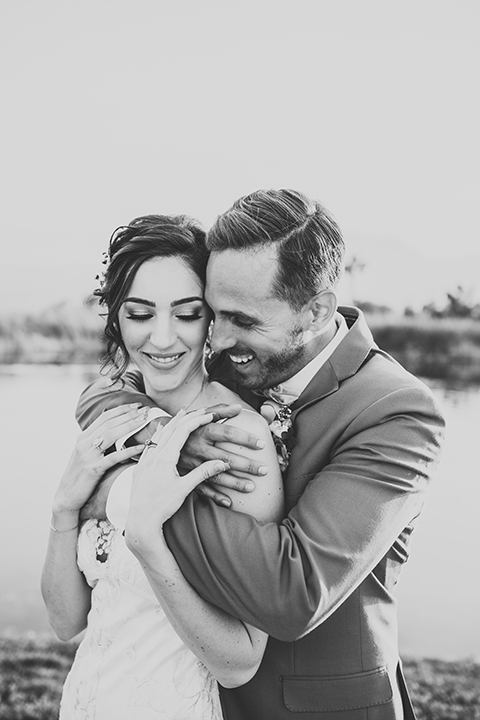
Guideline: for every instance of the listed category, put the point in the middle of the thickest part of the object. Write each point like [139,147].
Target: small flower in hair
[101,277]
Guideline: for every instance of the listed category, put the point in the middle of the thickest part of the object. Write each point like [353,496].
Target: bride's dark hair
[144,238]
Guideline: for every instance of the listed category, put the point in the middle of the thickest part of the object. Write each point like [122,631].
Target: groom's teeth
[241,360]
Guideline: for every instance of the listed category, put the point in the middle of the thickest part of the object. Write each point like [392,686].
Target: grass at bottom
[32,672]
[444,690]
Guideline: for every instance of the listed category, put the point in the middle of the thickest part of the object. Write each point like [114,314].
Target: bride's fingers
[120,456]
[107,433]
[176,432]
[184,419]
[116,417]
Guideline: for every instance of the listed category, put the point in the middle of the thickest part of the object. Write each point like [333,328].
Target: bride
[152,648]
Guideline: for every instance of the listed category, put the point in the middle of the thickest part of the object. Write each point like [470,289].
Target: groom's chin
[245,378]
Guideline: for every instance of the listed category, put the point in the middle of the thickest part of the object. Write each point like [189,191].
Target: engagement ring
[97,444]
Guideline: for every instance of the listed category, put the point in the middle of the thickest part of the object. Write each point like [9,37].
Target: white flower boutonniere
[282,434]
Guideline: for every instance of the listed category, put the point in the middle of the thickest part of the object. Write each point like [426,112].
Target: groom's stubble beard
[271,369]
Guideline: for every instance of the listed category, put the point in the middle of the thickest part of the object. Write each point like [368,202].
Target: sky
[113,109]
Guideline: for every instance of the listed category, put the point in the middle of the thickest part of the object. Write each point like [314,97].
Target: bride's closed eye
[138,316]
[190,317]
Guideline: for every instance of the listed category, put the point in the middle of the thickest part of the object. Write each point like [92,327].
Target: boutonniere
[281,429]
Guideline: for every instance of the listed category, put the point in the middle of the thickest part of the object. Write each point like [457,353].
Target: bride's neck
[188,396]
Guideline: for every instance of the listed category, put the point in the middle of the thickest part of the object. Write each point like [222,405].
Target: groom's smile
[240,360]
[262,334]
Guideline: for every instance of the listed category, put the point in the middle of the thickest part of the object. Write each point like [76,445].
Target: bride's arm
[231,649]
[65,591]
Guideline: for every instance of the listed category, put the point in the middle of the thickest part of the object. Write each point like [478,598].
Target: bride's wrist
[145,543]
[63,520]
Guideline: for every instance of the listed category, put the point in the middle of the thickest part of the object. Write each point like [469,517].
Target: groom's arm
[287,578]
[102,395]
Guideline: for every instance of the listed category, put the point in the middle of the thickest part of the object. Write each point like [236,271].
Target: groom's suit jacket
[321,583]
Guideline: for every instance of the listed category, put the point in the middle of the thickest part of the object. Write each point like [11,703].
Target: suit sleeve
[102,395]
[288,578]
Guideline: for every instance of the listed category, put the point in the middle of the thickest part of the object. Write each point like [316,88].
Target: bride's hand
[158,490]
[88,463]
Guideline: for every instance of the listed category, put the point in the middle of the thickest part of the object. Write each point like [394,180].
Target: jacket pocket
[337,692]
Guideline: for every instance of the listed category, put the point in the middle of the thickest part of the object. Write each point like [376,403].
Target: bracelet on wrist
[62,531]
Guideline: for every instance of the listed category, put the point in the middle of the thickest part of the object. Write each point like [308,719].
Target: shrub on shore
[444,348]
[62,334]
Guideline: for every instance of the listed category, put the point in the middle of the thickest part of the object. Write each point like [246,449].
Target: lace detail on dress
[104,540]
[131,664]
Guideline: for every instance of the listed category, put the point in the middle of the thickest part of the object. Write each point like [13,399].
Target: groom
[367,432]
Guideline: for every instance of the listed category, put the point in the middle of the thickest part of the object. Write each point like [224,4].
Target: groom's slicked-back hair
[309,242]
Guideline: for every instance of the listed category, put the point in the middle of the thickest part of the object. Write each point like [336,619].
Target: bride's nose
[163,333]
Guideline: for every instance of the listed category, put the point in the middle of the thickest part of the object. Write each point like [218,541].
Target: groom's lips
[241,359]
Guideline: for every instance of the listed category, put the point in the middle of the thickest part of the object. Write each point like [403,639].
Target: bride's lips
[163,361]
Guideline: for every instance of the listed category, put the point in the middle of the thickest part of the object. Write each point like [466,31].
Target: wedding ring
[150,443]
[97,444]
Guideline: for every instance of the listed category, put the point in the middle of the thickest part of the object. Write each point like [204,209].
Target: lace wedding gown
[131,665]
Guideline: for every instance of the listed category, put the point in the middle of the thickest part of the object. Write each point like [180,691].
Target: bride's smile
[164,322]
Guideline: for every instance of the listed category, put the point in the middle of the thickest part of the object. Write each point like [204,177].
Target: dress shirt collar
[294,386]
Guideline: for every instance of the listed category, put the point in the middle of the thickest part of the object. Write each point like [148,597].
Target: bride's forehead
[165,270]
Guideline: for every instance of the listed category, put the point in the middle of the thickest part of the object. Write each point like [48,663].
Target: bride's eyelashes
[141,317]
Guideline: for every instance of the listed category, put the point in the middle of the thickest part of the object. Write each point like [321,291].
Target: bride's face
[163,322]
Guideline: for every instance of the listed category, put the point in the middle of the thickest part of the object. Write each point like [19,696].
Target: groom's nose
[222,336]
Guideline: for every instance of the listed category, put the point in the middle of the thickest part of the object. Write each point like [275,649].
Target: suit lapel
[348,357]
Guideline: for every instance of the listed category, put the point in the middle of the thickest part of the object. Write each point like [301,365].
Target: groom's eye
[244,323]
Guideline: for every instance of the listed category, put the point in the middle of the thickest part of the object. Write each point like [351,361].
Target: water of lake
[439,591]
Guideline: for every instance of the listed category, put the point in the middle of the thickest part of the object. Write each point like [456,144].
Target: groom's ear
[322,308]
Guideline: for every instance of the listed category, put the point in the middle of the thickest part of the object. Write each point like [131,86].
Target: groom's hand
[202,445]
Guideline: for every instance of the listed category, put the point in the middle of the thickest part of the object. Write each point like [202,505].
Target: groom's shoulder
[382,382]
[219,368]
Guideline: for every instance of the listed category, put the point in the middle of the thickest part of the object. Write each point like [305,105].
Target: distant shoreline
[436,348]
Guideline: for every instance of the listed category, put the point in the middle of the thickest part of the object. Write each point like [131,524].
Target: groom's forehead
[242,264]
[240,280]
[234,273]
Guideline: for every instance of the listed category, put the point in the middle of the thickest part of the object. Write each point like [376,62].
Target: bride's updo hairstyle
[144,238]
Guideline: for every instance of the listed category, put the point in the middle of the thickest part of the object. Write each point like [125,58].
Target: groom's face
[262,335]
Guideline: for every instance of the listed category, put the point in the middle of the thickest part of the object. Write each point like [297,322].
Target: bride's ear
[322,309]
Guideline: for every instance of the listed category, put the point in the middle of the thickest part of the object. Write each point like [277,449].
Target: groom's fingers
[219,498]
[233,482]
[213,487]
[222,411]
[206,451]
[204,472]
[217,433]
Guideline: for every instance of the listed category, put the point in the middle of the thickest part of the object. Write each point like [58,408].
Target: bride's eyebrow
[141,301]
[183,301]
[174,303]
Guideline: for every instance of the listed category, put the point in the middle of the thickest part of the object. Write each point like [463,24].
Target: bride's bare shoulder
[218,393]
